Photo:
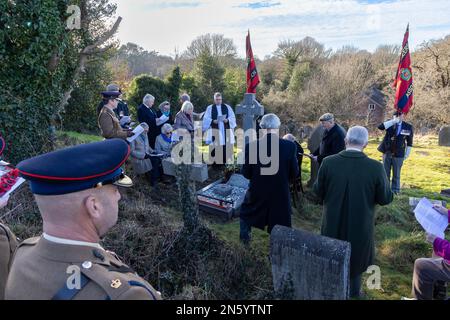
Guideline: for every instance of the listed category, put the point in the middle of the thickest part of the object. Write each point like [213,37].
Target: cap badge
[116,284]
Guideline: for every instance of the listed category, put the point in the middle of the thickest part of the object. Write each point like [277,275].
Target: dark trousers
[245,233]
[427,274]
[225,151]
[393,164]
[156,172]
[355,286]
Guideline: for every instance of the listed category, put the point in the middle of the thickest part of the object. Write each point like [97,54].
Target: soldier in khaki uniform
[76,192]
[8,244]
[107,119]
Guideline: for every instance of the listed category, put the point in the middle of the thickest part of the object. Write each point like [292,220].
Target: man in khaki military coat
[77,195]
[8,244]
[107,119]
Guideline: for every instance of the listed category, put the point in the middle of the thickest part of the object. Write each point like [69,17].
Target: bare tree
[215,45]
[93,40]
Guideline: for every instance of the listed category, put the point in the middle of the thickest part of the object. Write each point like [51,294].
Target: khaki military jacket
[8,244]
[45,270]
[110,125]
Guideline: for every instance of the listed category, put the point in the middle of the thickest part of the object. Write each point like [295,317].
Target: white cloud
[165,25]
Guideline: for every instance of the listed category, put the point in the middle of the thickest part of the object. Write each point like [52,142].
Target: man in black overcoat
[270,165]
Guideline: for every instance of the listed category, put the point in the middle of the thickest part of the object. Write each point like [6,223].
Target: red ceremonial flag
[252,73]
[404,79]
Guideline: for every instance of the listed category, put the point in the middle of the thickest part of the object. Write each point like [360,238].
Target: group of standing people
[78,197]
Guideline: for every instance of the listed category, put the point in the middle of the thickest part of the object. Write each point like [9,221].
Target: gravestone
[251,109]
[444,137]
[313,144]
[307,131]
[224,198]
[199,172]
[445,193]
[413,202]
[309,266]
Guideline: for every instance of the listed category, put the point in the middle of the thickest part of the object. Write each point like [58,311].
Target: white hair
[357,136]
[289,137]
[166,128]
[147,98]
[270,121]
[217,95]
[187,106]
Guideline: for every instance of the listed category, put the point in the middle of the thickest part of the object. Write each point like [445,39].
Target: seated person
[164,143]
[140,154]
[432,271]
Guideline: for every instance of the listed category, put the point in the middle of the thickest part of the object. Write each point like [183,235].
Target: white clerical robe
[207,121]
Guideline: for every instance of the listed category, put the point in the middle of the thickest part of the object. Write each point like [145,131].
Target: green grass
[79,137]
[399,238]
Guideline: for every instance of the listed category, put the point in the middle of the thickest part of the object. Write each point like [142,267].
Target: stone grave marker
[313,144]
[309,266]
[444,137]
[199,172]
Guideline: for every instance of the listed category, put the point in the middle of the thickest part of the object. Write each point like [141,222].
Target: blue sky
[166,26]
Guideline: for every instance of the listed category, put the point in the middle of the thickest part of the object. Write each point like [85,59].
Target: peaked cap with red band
[77,168]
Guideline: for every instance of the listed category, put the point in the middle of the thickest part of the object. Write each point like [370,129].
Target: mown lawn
[399,238]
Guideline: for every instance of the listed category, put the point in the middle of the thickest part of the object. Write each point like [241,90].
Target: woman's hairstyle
[166,128]
[187,106]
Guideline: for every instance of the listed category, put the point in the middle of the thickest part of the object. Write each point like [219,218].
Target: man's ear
[93,206]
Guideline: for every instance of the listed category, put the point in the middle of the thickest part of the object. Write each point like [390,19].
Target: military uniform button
[87,265]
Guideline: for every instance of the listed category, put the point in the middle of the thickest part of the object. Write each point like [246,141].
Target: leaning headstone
[238,181]
[307,131]
[444,137]
[413,202]
[199,172]
[445,193]
[313,145]
[307,266]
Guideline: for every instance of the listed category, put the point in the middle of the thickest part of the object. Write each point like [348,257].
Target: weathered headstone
[413,202]
[309,266]
[444,137]
[239,181]
[199,172]
[313,144]
[307,131]
[251,109]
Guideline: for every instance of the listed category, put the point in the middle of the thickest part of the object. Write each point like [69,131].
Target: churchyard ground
[148,220]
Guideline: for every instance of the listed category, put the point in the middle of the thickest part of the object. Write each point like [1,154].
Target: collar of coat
[352,154]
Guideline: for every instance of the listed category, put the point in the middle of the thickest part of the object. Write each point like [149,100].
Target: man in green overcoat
[350,185]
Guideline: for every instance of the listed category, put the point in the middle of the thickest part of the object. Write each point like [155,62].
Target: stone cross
[250,109]
[307,266]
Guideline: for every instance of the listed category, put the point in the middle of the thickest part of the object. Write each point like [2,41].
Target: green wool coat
[350,185]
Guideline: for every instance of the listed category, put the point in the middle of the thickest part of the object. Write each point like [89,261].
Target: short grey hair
[289,137]
[217,95]
[166,128]
[270,121]
[185,97]
[357,136]
[187,106]
[147,98]
[162,105]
